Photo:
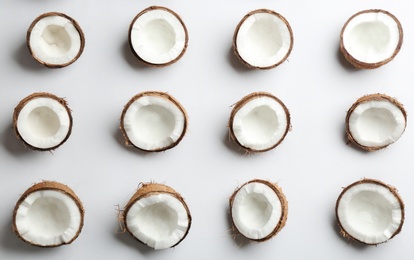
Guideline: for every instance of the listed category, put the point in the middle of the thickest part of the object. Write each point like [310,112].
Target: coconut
[259,122]
[370,211]
[48,214]
[263,39]
[42,121]
[375,121]
[371,38]
[157,216]
[158,37]
[258,210]
[55,40]
[153,121]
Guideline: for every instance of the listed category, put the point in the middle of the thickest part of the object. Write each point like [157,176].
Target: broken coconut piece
[55,40]
[258,210]
[370,212]
[371,38]
[158,37]
[153,121]
[157,216]
[263,39]
[48,214]
[42,121]
[259,122]
[375,121]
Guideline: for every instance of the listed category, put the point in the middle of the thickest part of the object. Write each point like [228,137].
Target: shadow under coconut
[236,63]
[25,60]
[119,138]
[344,63]
[12,144]
[233,146]
[130,57]
[354,244]
[238,240]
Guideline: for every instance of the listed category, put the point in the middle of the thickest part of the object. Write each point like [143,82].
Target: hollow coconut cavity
[371,38]
[55,40]
[259,122]
[258,210]
[157,216]
[375,121]
[370,212]
[263,39]
[158,37]
[48,214]
[42,121]
[153,122]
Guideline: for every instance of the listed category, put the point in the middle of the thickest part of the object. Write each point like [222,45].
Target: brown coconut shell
[241,103]
[74,23]
[284,208]
[236,32]
[392,189]
[364,65]
[31,97]
[152,8]
[368,98]
[150,189]
[56,186]
[155,94]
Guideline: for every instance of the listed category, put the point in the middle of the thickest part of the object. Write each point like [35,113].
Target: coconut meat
[55,40]
[47,218]
[370,213]
[260,123]
[371,37]
[43,122]
[263,40]
[376,123]
[152,123]
[256,210]
[158,36]
[159,221]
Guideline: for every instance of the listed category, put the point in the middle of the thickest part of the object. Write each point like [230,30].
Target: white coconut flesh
[43,123]
[158,36]
[371,37]
[370,213]
[260,123]
[256,210]
[153,123]
[48,218]
[159,221]
[376,123]
[54,40]
[263,40]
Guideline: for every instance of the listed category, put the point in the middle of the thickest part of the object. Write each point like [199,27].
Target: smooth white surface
[311,165]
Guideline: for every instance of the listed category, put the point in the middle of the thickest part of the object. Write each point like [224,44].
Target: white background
[311,165]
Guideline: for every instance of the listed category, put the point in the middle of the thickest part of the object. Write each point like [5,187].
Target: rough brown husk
[75,24]
[368,98]
[363,65]
[392,189]
[24,101]
[284,208]
[151,8]
[50,185]
[241,103]
[235,49]
[155,94]
[150,189]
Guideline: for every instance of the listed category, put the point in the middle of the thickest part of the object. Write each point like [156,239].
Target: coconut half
[375,121]
[158,37]
[157,216]
[370,212]
[48,214]
[55,40]
[263,39]
[258,210]
[153,121]
[259,122]
[371,38]
[42,121]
